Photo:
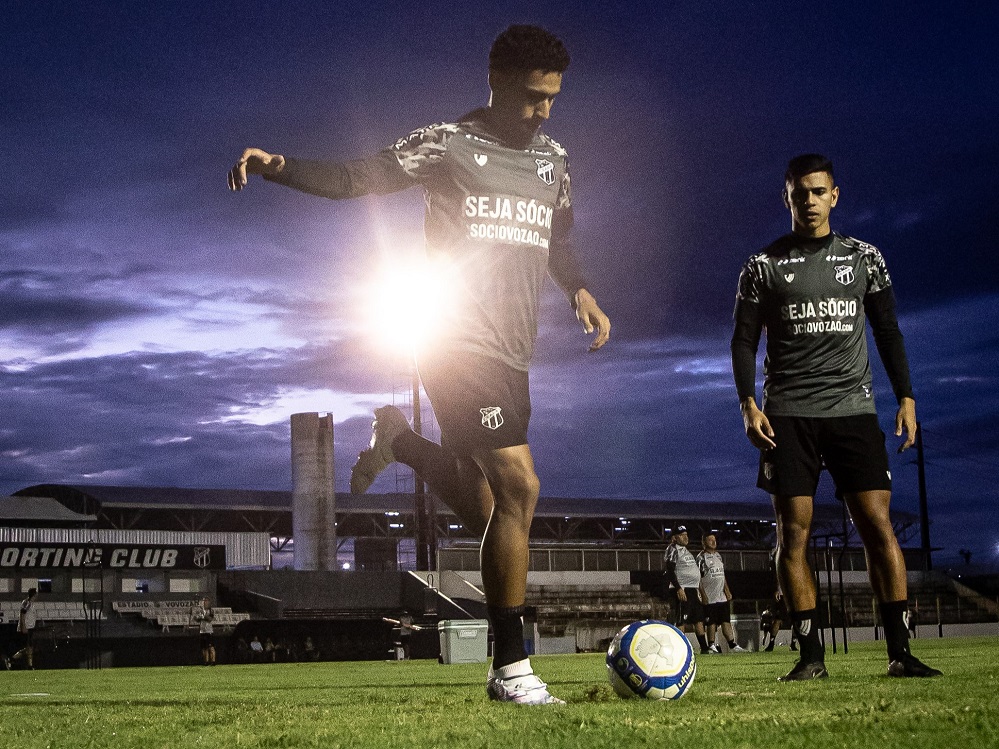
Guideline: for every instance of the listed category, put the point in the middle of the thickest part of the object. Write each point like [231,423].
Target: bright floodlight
[408,302]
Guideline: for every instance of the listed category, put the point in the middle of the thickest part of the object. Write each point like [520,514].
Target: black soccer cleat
[806,672]
[910,666]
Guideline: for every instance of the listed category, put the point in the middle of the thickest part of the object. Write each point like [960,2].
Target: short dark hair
[808,163]
[525,48]
[32,592]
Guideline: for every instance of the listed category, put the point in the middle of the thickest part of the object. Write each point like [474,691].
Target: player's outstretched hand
[905,421]
[254,161]
[588,312]
[757,425]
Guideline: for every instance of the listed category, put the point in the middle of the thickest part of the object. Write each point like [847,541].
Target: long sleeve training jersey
[499,217]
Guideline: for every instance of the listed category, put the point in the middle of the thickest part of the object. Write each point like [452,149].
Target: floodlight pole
[924,513]
[426,515]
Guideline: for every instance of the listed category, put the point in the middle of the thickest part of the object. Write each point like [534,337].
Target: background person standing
[717,596]
[684,575]
[203,616]
[26,630]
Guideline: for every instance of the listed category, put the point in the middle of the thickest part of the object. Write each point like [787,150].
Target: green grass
[735,702]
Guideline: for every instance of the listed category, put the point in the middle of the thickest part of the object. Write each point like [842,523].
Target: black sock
[508,635]
[433,463]
[702,640]
[732,644]
[806,629]
[896,632]
[443,472]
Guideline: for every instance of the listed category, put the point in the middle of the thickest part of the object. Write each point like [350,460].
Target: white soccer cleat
[738,649]
[512,684]
[389,423]
[714,649]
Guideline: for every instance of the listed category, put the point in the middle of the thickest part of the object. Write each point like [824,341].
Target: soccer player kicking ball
[499,211]
[811,290]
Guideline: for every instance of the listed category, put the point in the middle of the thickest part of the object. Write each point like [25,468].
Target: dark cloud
[117,234]
[57,318]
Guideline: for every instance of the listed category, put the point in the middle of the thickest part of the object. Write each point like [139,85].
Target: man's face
[710,542]
[682,539]
[523,101]
[810,199]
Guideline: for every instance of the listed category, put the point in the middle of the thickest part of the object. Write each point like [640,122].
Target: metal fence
[602,559]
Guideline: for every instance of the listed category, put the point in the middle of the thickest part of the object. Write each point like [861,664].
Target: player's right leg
[790,473]
[794,523]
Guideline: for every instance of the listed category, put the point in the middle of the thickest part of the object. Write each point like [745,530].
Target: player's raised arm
[254,161]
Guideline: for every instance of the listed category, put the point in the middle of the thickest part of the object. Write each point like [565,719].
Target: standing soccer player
[811,290]
[499,212]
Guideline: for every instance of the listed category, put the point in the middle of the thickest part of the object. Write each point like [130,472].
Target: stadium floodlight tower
[313,503]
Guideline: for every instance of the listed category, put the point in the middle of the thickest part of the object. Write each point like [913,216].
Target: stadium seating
[560,608]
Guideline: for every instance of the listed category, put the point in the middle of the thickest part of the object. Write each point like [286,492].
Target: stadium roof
[39,511]
[560,519]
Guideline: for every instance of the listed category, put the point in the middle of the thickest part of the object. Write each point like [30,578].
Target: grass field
[735,702]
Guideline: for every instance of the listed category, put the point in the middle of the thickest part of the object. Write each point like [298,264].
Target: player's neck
[818,233]
[510,132]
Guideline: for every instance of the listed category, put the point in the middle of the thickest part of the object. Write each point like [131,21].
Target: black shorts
[691,610]
[480,402]
[717,613]
[206,640]
[852,448]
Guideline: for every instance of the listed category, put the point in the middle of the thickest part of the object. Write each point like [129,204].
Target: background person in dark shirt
[811,291]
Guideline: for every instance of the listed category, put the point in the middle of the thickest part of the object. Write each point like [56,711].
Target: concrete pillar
[313,503]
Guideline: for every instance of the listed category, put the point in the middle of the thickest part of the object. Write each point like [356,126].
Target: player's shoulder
[553,145]
[435,134]
[852,244]
[772,253]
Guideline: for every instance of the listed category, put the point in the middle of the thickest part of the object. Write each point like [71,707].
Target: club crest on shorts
[492,417]
[546,171]
[844,274]
[789,277]
[768,471]
[481,159]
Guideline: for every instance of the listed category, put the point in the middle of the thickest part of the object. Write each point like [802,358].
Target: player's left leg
[729,634]
[886,568]
[697,615]
[711,630]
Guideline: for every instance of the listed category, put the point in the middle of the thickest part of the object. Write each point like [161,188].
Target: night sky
[156,329]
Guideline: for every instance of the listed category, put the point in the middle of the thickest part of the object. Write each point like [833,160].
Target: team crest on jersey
[481,159]
[546,171]
[844,274]
[768,471]
[492,417]
[789,277]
